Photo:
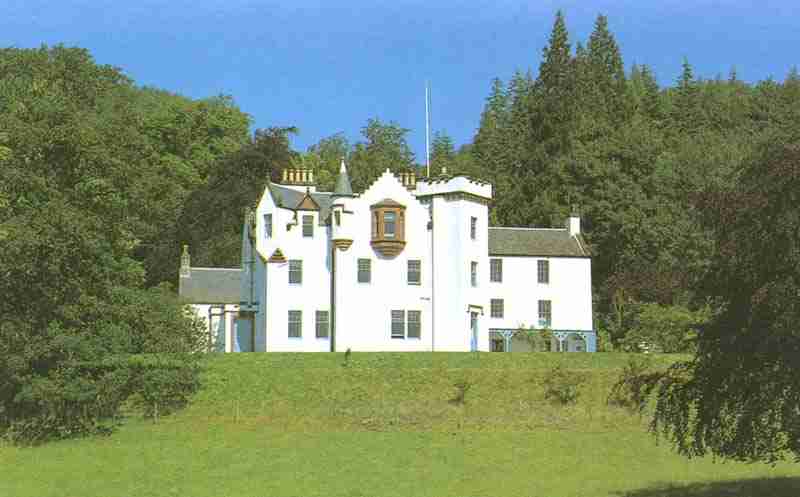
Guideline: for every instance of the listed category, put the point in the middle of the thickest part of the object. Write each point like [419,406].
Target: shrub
[163,385]
[634,385]
[462,386]
[347,354]
[562,386]
[68,380]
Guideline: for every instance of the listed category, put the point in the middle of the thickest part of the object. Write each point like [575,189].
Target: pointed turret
[343,188]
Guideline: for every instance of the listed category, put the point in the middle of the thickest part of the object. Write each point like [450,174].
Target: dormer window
[388,227]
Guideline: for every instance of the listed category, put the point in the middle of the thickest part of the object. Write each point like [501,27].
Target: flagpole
[427,133]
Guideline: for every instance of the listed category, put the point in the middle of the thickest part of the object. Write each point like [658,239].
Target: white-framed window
[364,270]
[337,216]
[473,273]
[414,272]
[473,228]
[414,324]
[295,272]
[295,324]
[398,324]
[496,270]
[497,308]
[545,313]
[322,324]
[389,224]
[308,226]
[267,225]
[543,271]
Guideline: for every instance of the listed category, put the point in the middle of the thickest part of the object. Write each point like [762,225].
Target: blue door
[244,336]
[473,324]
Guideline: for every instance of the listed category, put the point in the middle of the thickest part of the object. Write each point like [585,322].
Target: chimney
[298,176]
[574,222]
[186,270]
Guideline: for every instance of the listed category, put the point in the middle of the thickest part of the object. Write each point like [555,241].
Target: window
[389,219]
[414,324]
[364,270]
[337,216]
[544,271]
[398,324]
[295,272]
[322,324]
[473,227]
[497,308]
[388,227]
[545,315]
[268,225]
[473,275]
[414,270]
[308,226]
[295,324]
[496,270]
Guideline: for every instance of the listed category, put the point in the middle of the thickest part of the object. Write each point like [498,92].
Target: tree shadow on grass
[758,487]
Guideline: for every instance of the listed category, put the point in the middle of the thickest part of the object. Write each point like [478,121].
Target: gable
[307,204]
[288,198]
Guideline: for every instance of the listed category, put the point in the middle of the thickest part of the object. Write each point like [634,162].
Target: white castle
[405,265]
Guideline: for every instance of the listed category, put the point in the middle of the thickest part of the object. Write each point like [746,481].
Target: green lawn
[304,425]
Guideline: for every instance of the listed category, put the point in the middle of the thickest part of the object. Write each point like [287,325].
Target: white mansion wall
[219,320]
[279,296]
[445,296]
[569,292]
[363,310]
[453,252]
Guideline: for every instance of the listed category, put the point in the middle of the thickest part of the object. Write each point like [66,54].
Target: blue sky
[327,67]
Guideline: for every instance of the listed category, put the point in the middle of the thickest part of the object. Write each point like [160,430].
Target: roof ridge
[525,228]
[216,268]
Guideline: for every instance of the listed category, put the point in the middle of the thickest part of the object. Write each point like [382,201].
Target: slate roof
[536,242]
[211,286]
[289,198]
[343,188]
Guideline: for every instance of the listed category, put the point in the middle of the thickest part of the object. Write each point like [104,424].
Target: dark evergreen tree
[608,74]
[443,153]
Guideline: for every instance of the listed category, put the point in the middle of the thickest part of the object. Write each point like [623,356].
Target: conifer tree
[443,153]
[553,102]
[686,109]
[554,70]
[489,143]
[651,96]
[607,72]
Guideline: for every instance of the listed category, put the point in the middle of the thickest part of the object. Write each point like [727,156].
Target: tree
[443,153]
[740,396]
[325,158]
[553,99]
[212,218]
[665,328]
[385,147]
[82,186]
[607,72]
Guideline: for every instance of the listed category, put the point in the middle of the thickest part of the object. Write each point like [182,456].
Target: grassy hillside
[386,424]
